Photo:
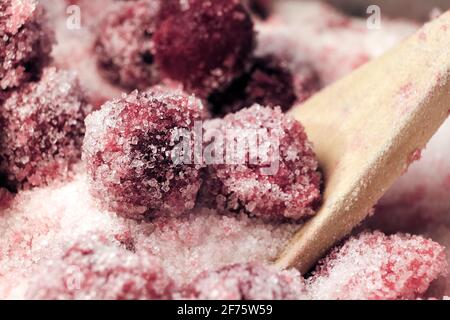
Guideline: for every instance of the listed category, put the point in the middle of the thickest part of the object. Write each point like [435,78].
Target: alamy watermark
[73,21]
[374,20]
[233,146]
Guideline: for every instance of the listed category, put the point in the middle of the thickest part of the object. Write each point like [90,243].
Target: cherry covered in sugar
[249,281]
[124,43]
[205,45]
[282,182]
[42,129]
[375,266]
[25,42]
[93,269]
[128,152]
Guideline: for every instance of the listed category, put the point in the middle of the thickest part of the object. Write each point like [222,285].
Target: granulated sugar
[39,225]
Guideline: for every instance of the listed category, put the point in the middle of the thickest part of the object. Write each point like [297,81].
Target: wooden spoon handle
[367,129]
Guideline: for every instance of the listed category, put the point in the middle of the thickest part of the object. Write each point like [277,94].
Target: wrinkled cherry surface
[42,129]
[25,42]
[290,191]
[205,45]
[128,151]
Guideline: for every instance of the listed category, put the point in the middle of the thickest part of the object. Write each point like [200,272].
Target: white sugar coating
[333,43]
[290,191]
[39,224]
[124,46]
[376,266]
[36,233]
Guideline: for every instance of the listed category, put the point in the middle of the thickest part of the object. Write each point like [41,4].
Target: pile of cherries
[191,60]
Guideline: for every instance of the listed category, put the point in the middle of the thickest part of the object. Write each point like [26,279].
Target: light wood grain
[366,130]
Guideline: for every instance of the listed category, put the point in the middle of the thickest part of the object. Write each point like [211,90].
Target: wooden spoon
[367,129]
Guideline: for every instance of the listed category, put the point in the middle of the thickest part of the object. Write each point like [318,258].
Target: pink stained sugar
[420,198]
[124,44]
[247,282]
[207,240]
[205,45]
[74,46]
[42,129]
[36,231]
[92,269]
[128,151]
[315,33]
[281,182]
[25,42]
[376,266]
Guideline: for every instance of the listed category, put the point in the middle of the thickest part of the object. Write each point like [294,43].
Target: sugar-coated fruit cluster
[206,46]
[42,130]
[193,232]
[25,42]
[202,44]
[128,151]
[273,141]
[246,282]
[42,110]
[37,226]
[93,269]
[124,43]
[130,144]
